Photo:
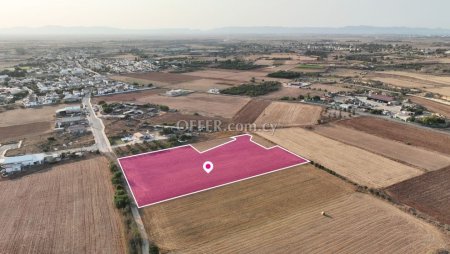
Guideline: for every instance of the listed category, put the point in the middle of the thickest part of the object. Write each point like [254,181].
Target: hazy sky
[206,14]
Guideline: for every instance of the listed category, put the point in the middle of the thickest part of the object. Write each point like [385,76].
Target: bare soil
[404,133]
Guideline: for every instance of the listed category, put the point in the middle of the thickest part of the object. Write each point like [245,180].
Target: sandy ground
[289,114]
[394,150]
[356,164]
[67,209]
[290,92]
[257,216]
[404,133]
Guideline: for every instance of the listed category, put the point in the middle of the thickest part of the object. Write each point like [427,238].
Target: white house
[13,164]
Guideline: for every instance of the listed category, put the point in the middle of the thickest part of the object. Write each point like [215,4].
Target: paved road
[97,127]
[98,130]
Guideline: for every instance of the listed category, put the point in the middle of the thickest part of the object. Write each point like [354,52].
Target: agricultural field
[229,75]
[290,114]
[330,88]
[428,193]
[204,104]
[445,80]
[202,85]
[358,165]
[399,81]
[16,132]
[128,97]
[65,209]
[291,92]
[233,219]
[410,155]
[400,132]
[433,106]
[251,111]
[162,77]
[29,115]
[445,91]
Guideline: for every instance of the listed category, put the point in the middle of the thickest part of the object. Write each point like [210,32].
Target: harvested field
[330,88]
[291,92]
[399,81]
[204,104]
[229,75]
[425,77]
[16,132]
[250,112]
[404,133]
[290,114]
[432,105]
[394,150]
[234,219]
[29,115]
[202,85]
[428,193]
[358,165]
[440,90]
[128,97]
[66,209]
[169,78]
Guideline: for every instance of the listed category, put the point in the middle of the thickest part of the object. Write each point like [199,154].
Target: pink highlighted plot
[167,174]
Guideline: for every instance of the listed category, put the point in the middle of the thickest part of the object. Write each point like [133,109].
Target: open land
[66,209]
[185,176]
[404,133]
[394,150]
[251,111]
[204,104]
[428,193]
[29,115]
[356,164]
[433,106]
[16,132]
[234,219]
[290,114]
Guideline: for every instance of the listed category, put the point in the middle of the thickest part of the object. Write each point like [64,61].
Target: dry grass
[257,216]
[331,88]
[204,104]
[291,92]
[202,85]
[67,209]
[425,77]
[440,90]
[16,132]
[290,114]
[358,165]
[397,151]
[29,115]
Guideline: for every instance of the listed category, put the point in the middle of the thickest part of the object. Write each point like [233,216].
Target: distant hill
[348,30]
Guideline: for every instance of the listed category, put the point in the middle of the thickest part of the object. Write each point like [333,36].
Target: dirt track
[67,209]
[404,133]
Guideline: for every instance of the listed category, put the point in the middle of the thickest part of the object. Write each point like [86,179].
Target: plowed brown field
[250,112]
[404,133]
[66,209]
[397,151]
[428,193]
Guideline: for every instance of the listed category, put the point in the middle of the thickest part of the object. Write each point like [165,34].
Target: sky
[207,14]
